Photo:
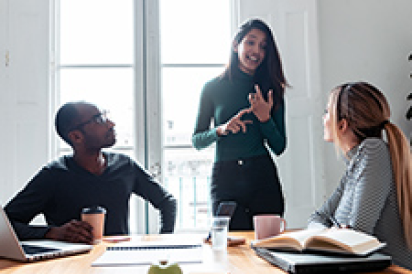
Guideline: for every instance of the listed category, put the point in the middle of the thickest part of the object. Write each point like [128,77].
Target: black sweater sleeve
[29,203]
[153,192]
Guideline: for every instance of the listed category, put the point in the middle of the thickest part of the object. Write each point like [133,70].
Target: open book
[347,241]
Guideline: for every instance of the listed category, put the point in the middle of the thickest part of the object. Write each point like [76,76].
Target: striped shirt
[366,199]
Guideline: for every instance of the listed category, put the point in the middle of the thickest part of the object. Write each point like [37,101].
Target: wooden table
[237,260]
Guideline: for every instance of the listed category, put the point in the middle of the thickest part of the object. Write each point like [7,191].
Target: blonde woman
[375,193]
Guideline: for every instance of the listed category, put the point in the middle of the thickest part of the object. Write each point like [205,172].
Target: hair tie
[382,125]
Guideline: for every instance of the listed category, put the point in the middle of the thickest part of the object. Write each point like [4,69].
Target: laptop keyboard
[33,250]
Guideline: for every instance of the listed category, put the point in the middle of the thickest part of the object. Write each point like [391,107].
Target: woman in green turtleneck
[247,108]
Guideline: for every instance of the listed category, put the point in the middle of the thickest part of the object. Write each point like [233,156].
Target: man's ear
[75,136]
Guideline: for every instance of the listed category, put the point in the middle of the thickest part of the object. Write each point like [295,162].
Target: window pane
[180,96]
[110,89]
[96,32]
[187,177]
[195,31]
[186,171]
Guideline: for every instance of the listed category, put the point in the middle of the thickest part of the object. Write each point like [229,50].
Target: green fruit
[165,267]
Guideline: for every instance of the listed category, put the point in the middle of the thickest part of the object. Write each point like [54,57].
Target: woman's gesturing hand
[235,124]
[259,106]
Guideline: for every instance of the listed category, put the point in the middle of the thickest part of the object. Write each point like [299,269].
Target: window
[96,60]
[195,43]
[99,61]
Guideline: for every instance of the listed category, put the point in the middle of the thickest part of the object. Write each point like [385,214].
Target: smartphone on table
[226,208]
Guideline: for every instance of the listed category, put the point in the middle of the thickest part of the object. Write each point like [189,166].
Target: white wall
[24,92]
[366,40]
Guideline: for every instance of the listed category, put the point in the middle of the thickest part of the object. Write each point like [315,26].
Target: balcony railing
[194,205]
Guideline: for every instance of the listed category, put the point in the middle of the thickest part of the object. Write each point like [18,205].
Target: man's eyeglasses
[100,118]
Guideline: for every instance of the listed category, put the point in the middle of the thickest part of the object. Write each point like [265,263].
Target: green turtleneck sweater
[220,100]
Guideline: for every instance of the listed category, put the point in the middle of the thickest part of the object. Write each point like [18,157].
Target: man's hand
[259,106]
[73,231]
[235,124]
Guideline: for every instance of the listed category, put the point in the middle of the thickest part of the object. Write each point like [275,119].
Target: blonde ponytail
[402,170]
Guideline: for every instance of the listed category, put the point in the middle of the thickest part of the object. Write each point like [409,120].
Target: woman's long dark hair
[269,75]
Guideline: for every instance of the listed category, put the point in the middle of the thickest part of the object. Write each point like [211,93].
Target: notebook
[146,252]
[297,263]
[33,250]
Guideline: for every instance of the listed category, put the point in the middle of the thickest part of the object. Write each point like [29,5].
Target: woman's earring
[235,46]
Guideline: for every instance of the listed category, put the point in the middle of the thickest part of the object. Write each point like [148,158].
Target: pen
[334,221]
[330,218]
[208,237]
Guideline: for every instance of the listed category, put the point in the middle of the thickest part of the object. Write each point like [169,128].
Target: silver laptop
[307,263]
[33,250]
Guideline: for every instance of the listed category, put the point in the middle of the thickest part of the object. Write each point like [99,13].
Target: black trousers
[253,183]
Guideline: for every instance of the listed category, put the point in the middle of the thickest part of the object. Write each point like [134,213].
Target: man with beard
[88,177]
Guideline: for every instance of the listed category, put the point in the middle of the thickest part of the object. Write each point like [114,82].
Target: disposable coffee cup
[95,216]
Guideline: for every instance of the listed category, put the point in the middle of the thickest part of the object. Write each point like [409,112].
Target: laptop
[33,250]
[298,263]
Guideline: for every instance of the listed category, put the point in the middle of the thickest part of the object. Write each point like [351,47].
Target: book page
[350,240]
[289,240]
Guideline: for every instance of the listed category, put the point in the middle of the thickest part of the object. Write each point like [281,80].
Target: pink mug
[268,225]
